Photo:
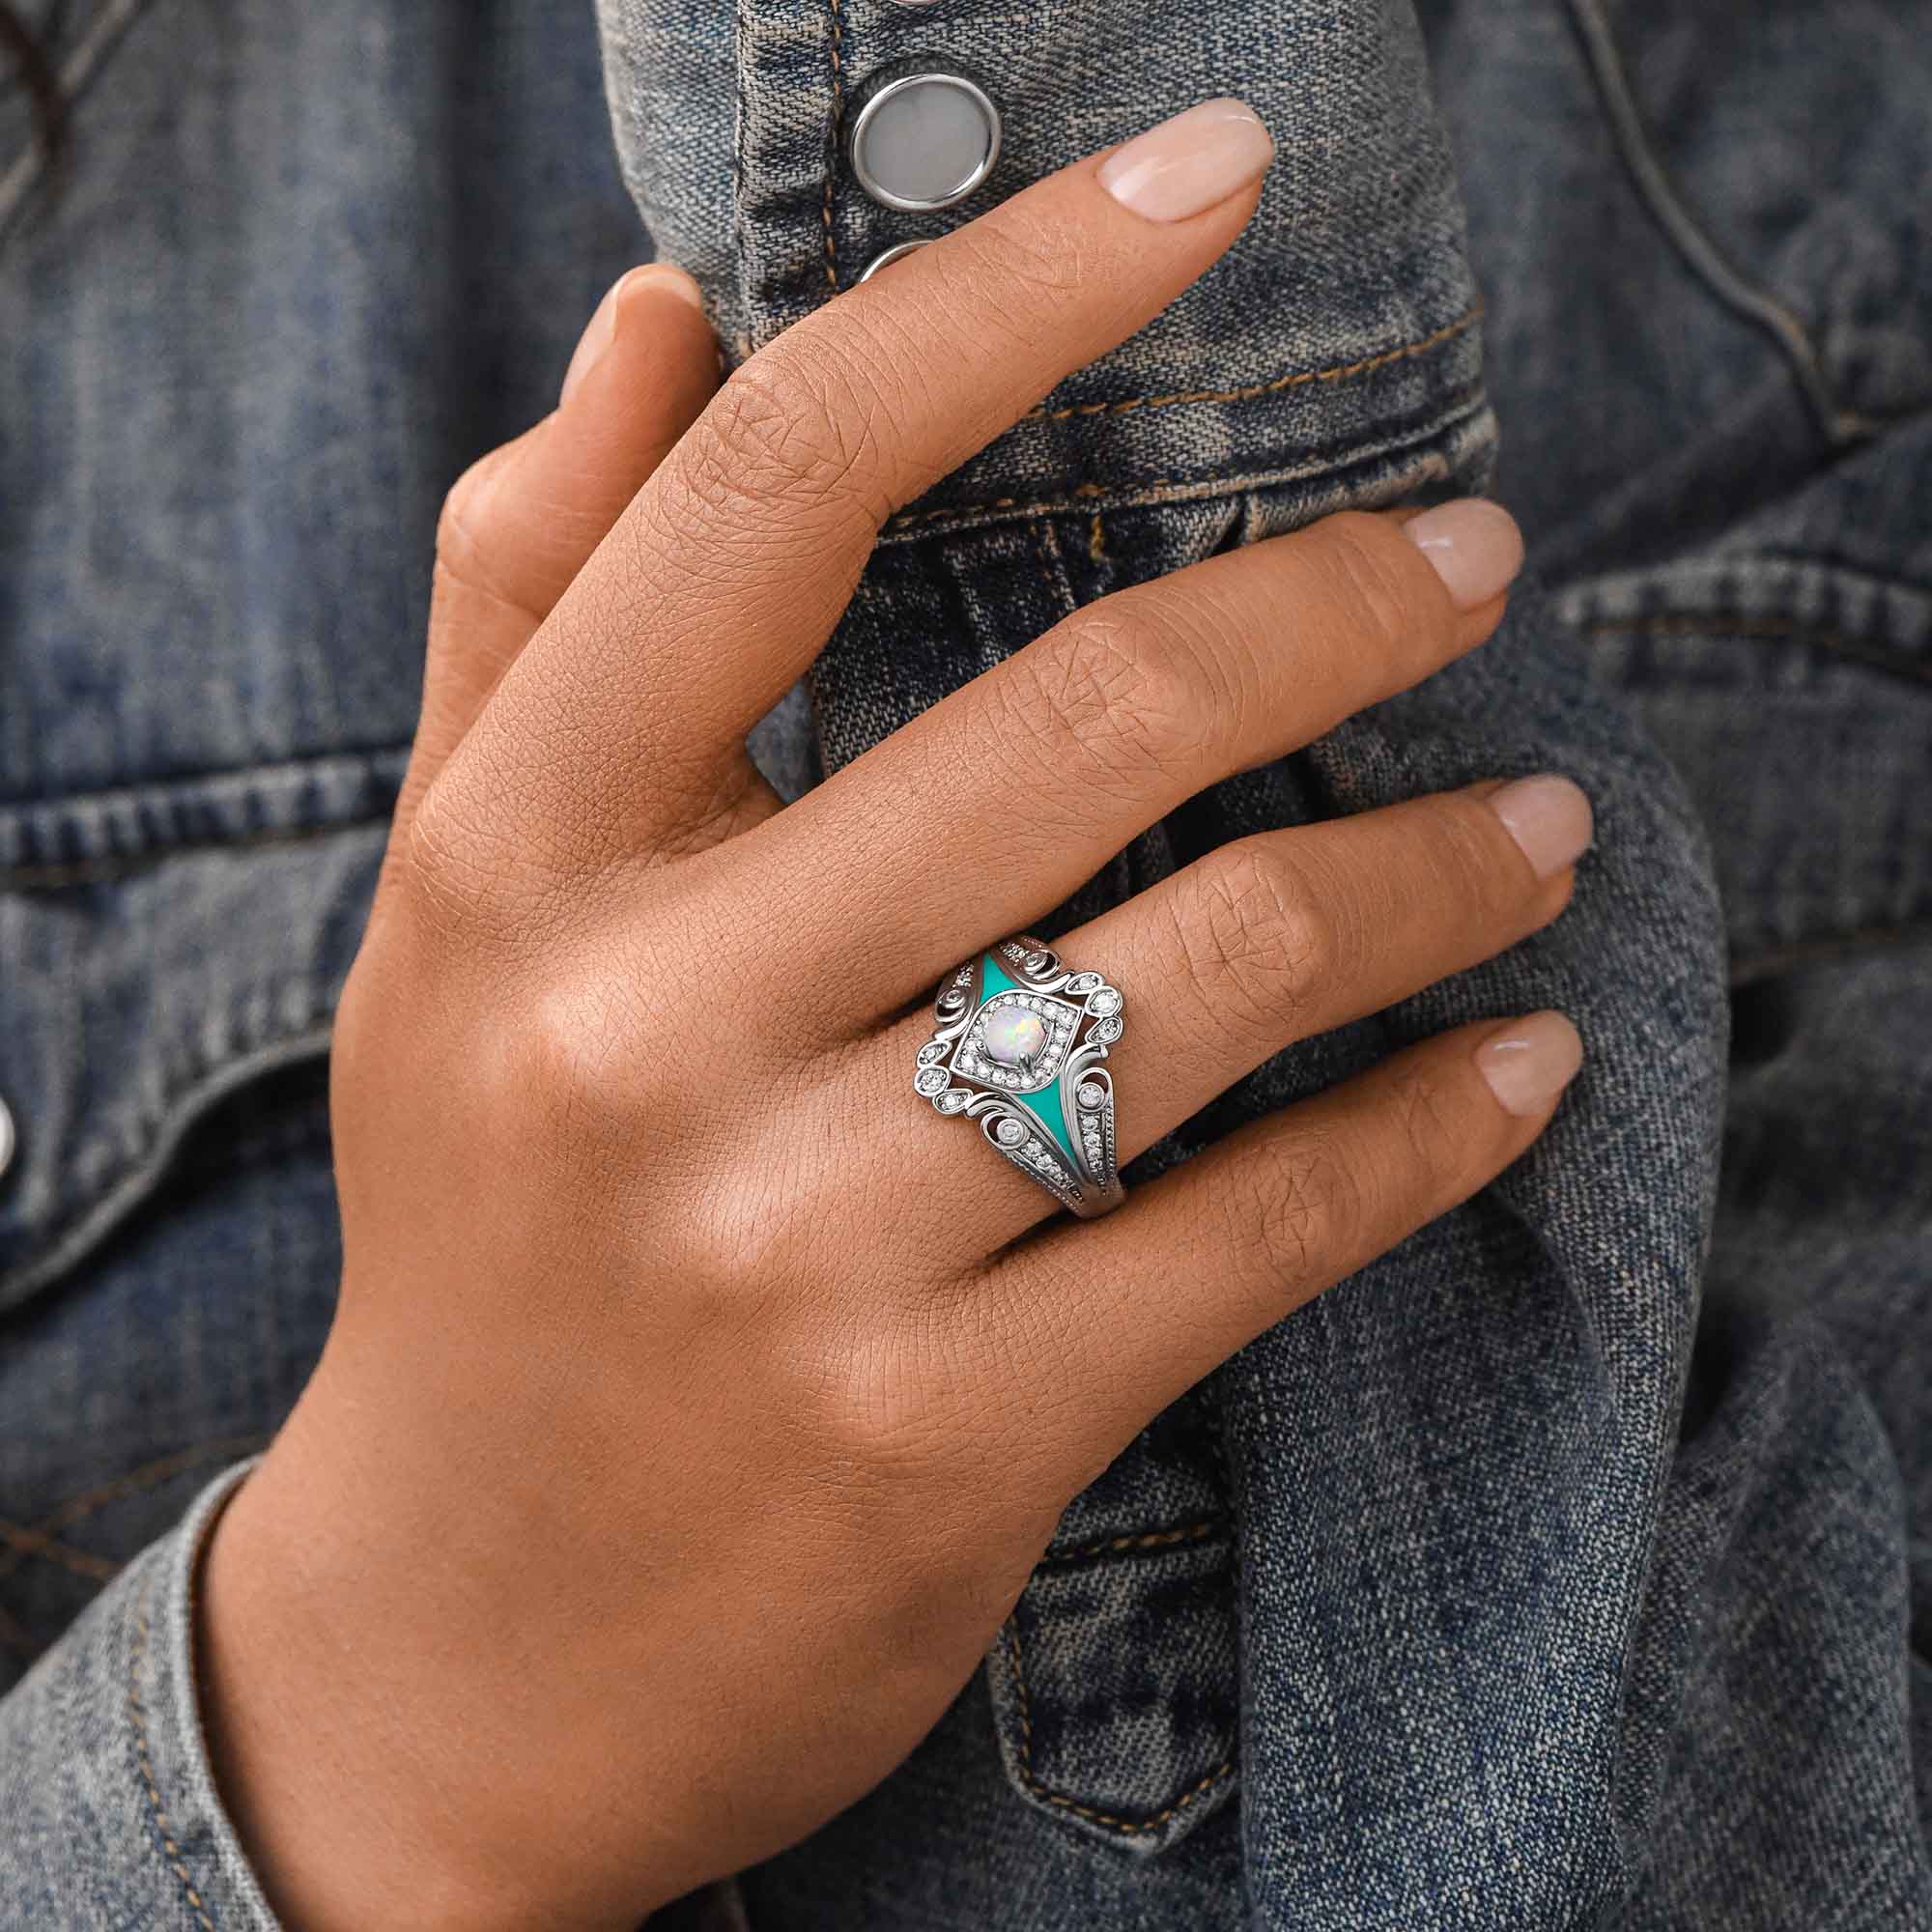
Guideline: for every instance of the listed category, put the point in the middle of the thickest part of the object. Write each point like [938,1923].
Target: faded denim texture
[1566,1567]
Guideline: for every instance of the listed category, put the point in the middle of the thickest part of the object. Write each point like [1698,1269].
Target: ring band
[1016,1045]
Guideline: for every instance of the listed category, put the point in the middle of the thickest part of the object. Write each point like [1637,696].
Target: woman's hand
[699,1399]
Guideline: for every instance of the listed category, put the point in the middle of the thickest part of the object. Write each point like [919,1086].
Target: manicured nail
[1529,1062]
[1474,546]
[602,329]
[1187,164]
[1548,817]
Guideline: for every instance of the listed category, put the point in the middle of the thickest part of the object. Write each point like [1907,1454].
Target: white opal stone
[1013,1034]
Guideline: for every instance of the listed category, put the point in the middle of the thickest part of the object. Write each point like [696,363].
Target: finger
[1134,1309]
[993,807]
[522,521]
[1278,937]
[745,547]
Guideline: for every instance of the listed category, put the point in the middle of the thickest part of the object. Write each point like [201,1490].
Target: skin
[677,1450]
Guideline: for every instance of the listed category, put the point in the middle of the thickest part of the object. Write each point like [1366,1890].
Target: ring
[1016,1045]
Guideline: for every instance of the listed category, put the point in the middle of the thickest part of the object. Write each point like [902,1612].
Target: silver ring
[1017,1043]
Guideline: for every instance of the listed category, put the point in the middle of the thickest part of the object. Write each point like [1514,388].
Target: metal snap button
[923,136]
[886,257]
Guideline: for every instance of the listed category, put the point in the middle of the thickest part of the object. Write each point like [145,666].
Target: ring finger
[1275,938]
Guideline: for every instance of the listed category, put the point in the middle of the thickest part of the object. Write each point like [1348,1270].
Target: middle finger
[992,808]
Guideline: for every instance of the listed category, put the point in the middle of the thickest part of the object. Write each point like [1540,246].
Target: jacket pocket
[1114,1686]
[161,948]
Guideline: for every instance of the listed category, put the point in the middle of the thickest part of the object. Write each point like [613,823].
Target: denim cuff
[108,1810]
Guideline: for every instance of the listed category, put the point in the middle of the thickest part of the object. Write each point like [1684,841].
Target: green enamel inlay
[1043,1102]
[995,980]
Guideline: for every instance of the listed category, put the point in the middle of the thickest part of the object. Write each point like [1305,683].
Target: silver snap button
[6,1138]
[886,257]
[923,137]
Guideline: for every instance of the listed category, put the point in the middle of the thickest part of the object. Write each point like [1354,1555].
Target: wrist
[383,1745]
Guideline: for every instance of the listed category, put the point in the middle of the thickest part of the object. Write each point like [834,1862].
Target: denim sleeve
[108,1812]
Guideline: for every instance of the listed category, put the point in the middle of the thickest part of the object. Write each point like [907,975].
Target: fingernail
[602,329]
[1548,817]
[1187,164]
[1529,1062]
[1473,545]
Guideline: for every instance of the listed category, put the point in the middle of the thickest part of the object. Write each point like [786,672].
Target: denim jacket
[1568,1565]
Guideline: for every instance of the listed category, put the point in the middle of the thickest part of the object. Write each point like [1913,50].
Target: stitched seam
[146,1476]
[199,1065]
[1687,233]
[1883,657]
[1800,953]
[82,68]
[39,1539]
[1468,402]
[831,157]
[97,871]
[1296,379]
[1131,1827]
[19,1541]
[139,1713]
[1153,1539]
[1053,568]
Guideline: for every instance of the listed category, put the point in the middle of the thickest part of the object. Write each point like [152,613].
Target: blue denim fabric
[1568,1566]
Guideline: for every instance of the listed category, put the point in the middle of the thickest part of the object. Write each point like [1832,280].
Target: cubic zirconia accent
[1106,1032]
[1106,1001]
[1009,1133]
[1092,1094]
[931,1080]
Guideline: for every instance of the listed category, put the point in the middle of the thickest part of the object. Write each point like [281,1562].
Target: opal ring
[1016,1044]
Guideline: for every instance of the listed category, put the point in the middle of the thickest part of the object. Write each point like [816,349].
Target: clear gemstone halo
[1018,1040]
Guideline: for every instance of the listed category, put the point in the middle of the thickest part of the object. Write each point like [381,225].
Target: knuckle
[448,876]
[467,531]
[1439,1149]
[790,429]
[1010,265]
[1479,863]
[1371,582]
[1256,940]
[1108,700]
[1297,1210]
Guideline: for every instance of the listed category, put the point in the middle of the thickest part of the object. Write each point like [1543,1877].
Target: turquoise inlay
[996,980]
[1043,1102]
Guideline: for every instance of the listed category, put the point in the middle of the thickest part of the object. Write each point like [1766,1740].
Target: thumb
[522,521]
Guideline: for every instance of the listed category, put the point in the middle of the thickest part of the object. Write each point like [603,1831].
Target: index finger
[730,569]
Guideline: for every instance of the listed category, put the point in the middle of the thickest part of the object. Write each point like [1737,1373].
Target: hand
[682,1440]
